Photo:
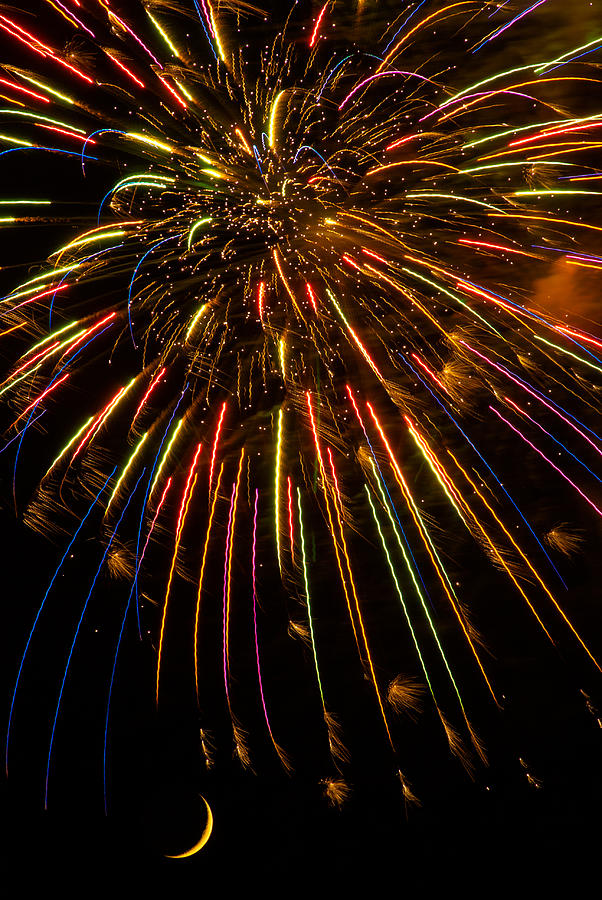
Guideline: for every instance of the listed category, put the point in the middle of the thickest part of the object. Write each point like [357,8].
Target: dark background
[503,825]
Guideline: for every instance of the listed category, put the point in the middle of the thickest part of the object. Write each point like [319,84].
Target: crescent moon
[203,838]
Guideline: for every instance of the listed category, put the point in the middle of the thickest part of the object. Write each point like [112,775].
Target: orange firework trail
[228,575]
[200,586]
[186,498]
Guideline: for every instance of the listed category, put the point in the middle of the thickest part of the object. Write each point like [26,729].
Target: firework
[285,364]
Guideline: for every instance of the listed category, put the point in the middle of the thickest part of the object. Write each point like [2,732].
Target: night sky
[532,813]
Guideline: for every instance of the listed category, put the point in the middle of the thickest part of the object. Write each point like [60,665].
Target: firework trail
[285,354]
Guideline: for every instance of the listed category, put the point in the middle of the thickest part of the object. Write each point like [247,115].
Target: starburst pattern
[287,353]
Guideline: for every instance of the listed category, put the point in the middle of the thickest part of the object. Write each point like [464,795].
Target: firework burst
[284,360]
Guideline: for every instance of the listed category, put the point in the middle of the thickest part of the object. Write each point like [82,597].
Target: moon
[203,838]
